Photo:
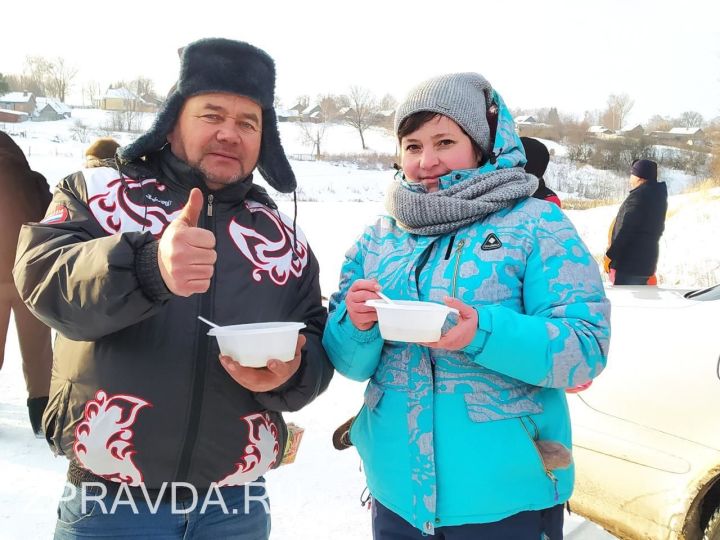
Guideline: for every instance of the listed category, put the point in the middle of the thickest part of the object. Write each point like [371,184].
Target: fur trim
[102,148]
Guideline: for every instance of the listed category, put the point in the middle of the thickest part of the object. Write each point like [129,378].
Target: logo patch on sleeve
[491,242]
[60,215]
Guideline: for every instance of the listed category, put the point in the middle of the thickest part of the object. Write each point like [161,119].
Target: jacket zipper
[460,245]
[199,368]
[548,472]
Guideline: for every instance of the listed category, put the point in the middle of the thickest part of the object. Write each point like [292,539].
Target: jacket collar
[177,172]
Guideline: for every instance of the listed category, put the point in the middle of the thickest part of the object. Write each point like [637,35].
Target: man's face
[220,135]
[635,181]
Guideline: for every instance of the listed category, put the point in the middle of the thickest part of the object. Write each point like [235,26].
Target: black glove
[36,408]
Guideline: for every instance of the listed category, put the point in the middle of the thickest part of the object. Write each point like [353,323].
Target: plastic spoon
[381,295]
[203,319]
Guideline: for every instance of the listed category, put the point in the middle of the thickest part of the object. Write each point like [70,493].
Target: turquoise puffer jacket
[448,438]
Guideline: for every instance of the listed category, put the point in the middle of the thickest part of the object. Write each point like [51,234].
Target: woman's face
[433,150]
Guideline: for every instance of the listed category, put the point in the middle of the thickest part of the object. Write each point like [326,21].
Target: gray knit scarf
[468,201]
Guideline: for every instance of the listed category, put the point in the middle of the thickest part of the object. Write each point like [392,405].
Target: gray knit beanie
[463,97]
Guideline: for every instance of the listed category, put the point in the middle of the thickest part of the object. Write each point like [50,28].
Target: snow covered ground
[321,479]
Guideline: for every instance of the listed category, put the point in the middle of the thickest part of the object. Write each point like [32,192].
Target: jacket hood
[507,149]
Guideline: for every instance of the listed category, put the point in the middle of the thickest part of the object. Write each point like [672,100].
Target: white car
[646,433]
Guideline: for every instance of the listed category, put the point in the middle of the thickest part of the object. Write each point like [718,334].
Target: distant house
[690,136]
[18,101]
[312,113]
[298,107]
[287,115]
[49,109]
[153,101]
[634,131]
[122,99]
[344,111]
[599,130]
[528,126]
[385,118]
[13,117]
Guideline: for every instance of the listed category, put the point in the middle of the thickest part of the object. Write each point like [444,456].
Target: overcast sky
[567,54]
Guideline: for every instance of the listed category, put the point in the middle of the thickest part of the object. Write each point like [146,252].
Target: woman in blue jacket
[468,437]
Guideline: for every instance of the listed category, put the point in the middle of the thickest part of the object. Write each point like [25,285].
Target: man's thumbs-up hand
[186,254]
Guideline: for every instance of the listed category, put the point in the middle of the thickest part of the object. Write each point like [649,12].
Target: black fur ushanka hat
[223,65]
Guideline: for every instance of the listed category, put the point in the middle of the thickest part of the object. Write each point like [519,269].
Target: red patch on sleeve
[60,215]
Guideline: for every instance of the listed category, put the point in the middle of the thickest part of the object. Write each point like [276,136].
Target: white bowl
[252,345]
[410,320]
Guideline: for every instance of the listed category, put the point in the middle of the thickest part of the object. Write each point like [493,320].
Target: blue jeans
[98,511]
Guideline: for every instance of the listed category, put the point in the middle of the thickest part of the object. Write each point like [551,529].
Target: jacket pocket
[373,394]
[371,399]
[551,455]
[489,406]
[55,417]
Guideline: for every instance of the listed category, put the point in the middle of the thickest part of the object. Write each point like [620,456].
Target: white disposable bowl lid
[409,305]
[256,328]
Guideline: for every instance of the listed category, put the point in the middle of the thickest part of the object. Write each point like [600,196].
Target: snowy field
[322,479]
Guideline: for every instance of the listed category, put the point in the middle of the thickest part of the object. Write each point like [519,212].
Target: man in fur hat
[633,251]
[141,401]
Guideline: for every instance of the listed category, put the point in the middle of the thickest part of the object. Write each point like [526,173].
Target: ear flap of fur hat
[223,65]
[273,164]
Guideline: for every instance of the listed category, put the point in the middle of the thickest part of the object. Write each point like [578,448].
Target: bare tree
[363,111]
[34,78]
[60,78]
[388,102]
[313,134]
[691,119]
[80,131]
[127,120]
[92,93]
[303,102]
[43,77]
[618,107]
[591,118]
[330,106]
[15,82]
[4,85]
[658,123]
[143,87]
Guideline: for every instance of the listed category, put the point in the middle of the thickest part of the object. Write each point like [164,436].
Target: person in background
[634,237]
[101,149]
[122,266]
[25,197]
[538,158]
[468,437]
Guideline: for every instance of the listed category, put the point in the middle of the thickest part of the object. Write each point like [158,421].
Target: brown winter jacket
[25,196]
